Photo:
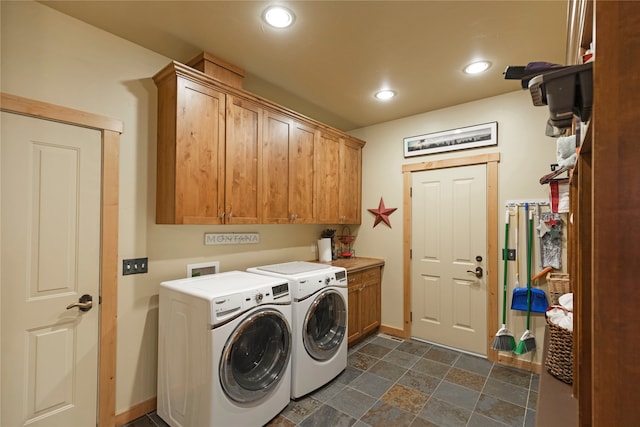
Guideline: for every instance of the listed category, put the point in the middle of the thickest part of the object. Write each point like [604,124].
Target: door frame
[491,161]
[110,129]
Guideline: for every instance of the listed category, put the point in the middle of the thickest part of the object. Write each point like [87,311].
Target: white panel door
[449,241]
[50,237]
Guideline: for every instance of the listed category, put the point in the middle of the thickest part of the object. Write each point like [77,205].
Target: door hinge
[410,253]
[411,316]
[410,191]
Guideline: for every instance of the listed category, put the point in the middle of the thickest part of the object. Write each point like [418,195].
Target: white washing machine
[319,306]
[224,350]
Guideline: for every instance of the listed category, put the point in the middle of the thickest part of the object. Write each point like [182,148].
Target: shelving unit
[604,222]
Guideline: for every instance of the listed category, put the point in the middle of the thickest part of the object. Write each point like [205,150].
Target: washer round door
[255,356]
[325,325]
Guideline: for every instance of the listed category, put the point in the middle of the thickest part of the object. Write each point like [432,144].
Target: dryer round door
[325,325]
[255,356]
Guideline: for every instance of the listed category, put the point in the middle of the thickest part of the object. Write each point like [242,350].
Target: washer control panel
[229,306]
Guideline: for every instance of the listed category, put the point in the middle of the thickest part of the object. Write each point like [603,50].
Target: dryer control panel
[313,283]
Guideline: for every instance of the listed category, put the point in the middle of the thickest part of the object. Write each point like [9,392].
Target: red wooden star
[382,213]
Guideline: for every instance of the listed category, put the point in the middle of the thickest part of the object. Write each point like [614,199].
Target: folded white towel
[566,150]
[566,301]
[561,317]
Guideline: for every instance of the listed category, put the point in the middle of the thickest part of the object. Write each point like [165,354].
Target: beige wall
[53,58]
[525,156]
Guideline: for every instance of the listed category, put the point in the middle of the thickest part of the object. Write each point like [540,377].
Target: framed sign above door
[483,135]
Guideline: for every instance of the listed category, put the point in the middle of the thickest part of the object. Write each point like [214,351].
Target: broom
[527,341]
[504,340]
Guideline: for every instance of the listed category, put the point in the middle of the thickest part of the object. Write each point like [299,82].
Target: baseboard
[515,362]
[395,332]
[136,411]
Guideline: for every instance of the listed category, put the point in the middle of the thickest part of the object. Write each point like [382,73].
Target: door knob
[477,272]
[85,302]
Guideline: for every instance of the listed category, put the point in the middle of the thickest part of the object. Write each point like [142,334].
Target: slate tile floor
[391,382]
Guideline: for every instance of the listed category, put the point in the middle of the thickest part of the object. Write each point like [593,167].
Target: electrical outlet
[511,255]
[134,266]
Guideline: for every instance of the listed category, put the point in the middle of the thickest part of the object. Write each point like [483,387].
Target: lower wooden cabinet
[364,302]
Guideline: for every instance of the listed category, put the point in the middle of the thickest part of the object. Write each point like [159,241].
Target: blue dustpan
[539,302]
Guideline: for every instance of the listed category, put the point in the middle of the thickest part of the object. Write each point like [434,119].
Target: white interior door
[50,235]
[449,241]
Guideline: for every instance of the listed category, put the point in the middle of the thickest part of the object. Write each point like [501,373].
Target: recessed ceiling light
[385,95]
[477,67]
[278,16]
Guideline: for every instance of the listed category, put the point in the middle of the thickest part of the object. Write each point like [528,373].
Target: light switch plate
[135,266]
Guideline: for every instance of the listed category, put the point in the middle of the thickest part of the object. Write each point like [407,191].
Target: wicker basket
[559,359]
[559,284]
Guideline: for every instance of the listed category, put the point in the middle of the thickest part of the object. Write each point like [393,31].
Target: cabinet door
[302,184]
[370,301]
[350,195]
[243,181]
[288,170]
[275,168]
[353,310]
[327,178]
[191,128]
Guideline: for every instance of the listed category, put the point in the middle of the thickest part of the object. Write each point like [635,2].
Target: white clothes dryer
[320,300]
[224,350]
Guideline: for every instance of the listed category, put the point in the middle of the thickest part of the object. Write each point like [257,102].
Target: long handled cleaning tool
[504,340]
[528,298]
[516,284]
[527,341]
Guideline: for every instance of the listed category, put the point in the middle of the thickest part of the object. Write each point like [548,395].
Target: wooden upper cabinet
[302,172]
[191,129]
[350,194]
[327,162]
[243,180]
[339,180]
[226,156]
[275,168]
[287,170]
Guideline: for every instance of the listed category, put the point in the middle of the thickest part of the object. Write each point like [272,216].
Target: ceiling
[338,53]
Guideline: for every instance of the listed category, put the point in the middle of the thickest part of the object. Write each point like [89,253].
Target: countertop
[357,263]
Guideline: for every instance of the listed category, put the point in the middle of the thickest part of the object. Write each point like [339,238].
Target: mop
[504,340]
[527,341]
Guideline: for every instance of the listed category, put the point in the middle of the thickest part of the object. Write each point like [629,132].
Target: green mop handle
[504,256]
[529,250]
